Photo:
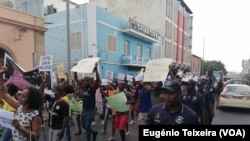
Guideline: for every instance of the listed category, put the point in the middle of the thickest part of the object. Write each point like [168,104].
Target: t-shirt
[145,101]
[111,93]
[57,112]
[7,107]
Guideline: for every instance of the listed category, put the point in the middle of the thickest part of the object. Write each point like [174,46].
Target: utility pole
[203,62]
[68,38]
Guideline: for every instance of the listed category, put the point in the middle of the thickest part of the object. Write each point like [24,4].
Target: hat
[173,86]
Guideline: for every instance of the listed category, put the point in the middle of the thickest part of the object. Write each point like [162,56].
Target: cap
[173,86]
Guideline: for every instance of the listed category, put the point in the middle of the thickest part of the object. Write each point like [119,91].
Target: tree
[210,66]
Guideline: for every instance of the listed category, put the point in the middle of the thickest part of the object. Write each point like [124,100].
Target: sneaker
[132,122]
[127,133]
[103,132]
[93,123]
[95,135]
[102,122]
[110,138]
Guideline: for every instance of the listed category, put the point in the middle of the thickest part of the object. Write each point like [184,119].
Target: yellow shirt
[7,107]
[111,93]
[66,99]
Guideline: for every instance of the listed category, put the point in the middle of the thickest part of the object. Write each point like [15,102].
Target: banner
[118,102]
[22,79]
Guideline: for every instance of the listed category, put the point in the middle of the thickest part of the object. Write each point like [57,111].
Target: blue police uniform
[160,115]
[194,100]
[211,92]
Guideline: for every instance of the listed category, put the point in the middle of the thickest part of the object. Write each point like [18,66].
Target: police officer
[171,111]
[208,101]
[194,100]
[210,89]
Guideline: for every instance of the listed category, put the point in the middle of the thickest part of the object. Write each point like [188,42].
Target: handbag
[31,137]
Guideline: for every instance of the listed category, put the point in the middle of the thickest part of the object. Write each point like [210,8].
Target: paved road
[98,127]
[232,116]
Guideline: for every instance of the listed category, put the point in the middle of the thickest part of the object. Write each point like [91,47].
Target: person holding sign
[27,121]
[121,118]
[12,90]
[89,88]
[172,111]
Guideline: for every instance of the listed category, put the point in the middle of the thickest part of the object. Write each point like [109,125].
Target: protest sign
[61,71]
[46,63]
[129,78]
[139,77]
[110,75]
[118,102]
[75,106]
[6,118]
[121,76]
[157,70]
[218,75]
[85,65]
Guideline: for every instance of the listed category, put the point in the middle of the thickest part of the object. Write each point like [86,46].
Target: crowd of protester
[174,101]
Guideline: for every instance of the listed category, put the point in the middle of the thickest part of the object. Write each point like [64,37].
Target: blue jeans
[106,118]
[6,134]
[87,117]
[68,133]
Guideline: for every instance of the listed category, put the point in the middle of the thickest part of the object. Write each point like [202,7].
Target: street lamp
[68,38]
[202,71]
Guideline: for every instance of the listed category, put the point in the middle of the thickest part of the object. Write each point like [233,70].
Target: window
[111,43]
[138,51]
[149,52]
[126,47]
[25,6]
[75,40]
[156,54]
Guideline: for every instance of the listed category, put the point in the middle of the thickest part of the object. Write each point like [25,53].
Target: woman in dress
[27,121]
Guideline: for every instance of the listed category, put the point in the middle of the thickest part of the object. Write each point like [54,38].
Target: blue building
[123,45]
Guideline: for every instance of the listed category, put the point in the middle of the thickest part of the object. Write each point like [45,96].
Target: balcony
[129,60]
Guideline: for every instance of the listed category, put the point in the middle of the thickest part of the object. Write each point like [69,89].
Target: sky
[222,27]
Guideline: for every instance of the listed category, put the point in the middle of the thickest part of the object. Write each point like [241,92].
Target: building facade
[196,65]
[169,19]
[172,19]
[22,37]
[123,45]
